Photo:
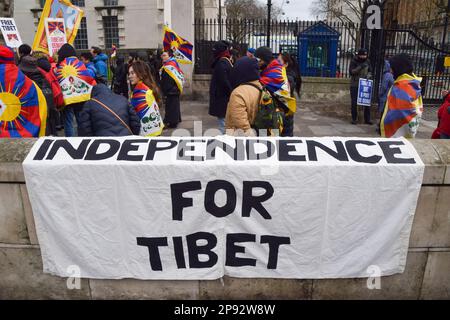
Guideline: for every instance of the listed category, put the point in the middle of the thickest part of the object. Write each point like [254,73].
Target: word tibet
[370,151]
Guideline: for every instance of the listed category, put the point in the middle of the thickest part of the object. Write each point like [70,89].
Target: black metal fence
[284,37]
[428,60]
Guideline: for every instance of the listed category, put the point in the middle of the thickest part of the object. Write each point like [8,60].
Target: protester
[120,83]
[386,84]
[251,53]
[23,108]
[145,99]
[76,83]
[273,77]
[24,50]
[245,98]
[107,115]
[172,82]
[404,107]
[359,69]
[443,129]
[29,66]
[87,58]
[293,73]
[220,89]
[100,61]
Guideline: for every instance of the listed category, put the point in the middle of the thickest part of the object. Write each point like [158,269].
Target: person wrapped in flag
[172,82]
[76,84]
[404,106]
[274,78]
[23,108]
[145,99]
[181,48]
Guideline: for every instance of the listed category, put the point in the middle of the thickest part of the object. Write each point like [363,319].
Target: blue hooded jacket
[386,83]
[101,65]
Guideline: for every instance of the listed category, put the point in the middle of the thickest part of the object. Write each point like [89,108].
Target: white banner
[202,208]
[10,32]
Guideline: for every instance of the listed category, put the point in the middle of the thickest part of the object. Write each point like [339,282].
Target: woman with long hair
[145,99]
[293,72]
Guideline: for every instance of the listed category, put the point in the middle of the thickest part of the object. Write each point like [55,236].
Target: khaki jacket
[242,109]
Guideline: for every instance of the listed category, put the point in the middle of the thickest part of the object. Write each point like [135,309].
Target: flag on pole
[64,9]
[182,49]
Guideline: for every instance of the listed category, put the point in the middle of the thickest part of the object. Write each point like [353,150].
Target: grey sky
[296,9]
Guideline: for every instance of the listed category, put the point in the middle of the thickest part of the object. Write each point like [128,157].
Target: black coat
[96,121]
[220,90]
[168,85]
[120,83]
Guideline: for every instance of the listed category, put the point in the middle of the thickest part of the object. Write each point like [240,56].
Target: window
[81,41]
[78,3]
[110,3]
[111,27]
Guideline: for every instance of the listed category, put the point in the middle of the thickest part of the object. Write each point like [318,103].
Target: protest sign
[365,90]
[202,208]
[10,32]
[64,9]
[56,34]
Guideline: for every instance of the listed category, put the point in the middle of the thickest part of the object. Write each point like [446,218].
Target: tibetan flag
[404,108]
[182,49]
[144,103]
[174,71]
[75,80]
[64,9]
[23,108]
[275,79]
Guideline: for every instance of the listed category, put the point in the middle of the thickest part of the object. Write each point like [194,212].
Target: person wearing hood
[120,82]
[29,66]
[220,88]
[404,106]
[101,64]
[76,88]
[443,129]
[245,98]
[359,69]
[108,115]
[386,83]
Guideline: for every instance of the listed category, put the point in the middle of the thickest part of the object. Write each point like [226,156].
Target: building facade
[425,17]
[128,24]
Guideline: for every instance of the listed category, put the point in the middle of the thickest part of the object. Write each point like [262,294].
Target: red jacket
[444,117]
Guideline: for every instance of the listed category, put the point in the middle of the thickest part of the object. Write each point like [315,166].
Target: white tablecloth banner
[202,208]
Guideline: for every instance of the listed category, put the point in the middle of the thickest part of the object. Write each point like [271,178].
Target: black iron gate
[428,60]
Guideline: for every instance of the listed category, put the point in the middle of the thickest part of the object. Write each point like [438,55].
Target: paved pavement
[310,121]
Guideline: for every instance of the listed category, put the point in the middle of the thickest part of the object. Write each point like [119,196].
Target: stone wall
[427,274]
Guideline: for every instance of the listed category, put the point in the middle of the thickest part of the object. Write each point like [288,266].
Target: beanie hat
[221,46]
[6,55]
[362,52]
[265,54]
[252,50]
